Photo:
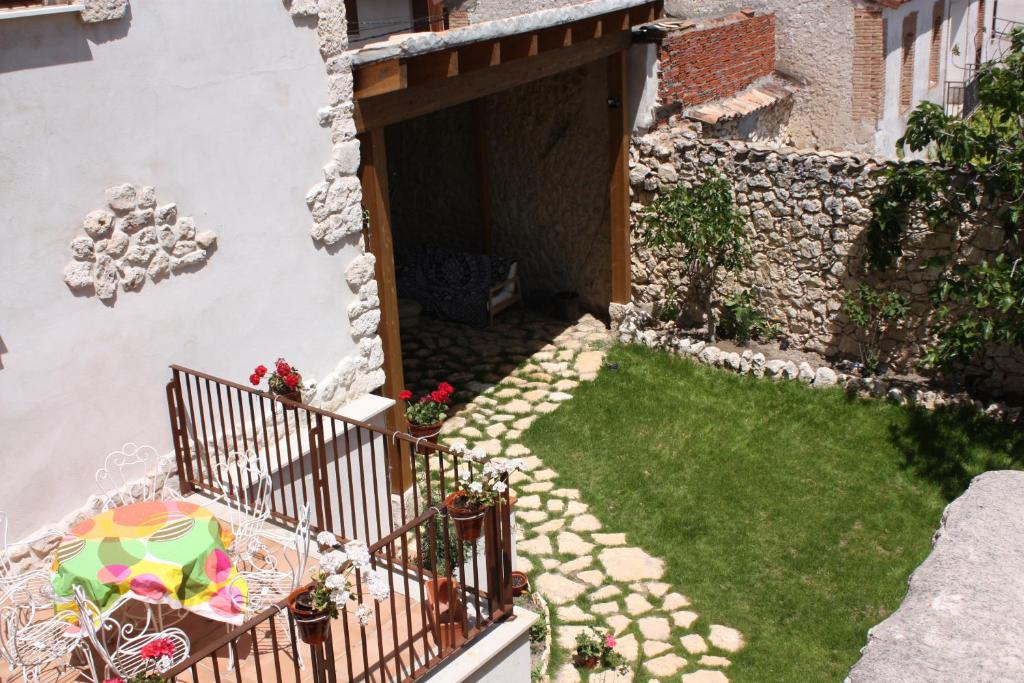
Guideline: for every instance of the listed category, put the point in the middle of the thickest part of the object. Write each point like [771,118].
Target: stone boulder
[963,616]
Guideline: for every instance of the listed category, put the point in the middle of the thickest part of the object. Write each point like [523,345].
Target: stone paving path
[521,368]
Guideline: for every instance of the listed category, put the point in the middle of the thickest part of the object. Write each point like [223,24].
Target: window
[935,53]
[979,37]
[352,16]
[907,61]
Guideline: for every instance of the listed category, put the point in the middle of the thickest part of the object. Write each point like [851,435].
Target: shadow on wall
[54,39]
[3,350]
[951,446]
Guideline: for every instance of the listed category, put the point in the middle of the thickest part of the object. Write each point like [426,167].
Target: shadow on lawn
[950,446]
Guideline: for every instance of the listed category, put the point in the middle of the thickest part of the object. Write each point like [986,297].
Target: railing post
[321,496]
[498,554]
[182,453]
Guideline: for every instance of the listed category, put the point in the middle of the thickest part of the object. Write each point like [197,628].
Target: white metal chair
[33,586]
[245,489]
[120,646]
[32,643]
[269,584]
[127,476]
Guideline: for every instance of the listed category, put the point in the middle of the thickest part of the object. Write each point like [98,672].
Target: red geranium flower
[405,395]
[261,370]
[283,368]
[155,649]
[446,388]
[114,680]
[254,378]
[438,396]
[292,380]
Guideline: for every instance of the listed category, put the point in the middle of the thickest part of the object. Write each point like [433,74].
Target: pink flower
[155,649]
[609,640]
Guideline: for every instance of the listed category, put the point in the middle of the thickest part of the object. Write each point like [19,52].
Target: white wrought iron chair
[127,476]
[32,642]
[33,586]
[268,584]
[245,488]
[120,645]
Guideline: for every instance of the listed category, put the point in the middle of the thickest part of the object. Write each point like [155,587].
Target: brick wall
[868,63]
[705,63]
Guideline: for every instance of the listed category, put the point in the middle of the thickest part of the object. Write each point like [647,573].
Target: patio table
[167,552]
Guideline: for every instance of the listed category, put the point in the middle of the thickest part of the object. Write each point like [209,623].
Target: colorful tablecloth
[164,552]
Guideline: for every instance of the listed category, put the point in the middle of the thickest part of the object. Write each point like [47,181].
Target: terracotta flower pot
[428,433]
[313,625]
[469,522]
[585,662]
[520,584]
[292,396]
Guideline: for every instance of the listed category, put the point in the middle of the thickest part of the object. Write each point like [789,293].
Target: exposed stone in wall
[336,206]
[489,10]
[103,10]
[768,125]
[807,213]
[132,239]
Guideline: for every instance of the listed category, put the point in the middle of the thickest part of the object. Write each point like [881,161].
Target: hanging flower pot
[427,414]
[585,662]
[469,520]
[520,584]
[313,625]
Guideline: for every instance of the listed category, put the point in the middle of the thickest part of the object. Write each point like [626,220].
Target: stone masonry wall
[705,62]
[807,212]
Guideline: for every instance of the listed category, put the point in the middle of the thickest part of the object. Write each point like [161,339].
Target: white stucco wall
[213,103]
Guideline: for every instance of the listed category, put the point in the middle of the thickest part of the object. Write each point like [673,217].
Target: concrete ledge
[963,617]
[503,655]
[412,44]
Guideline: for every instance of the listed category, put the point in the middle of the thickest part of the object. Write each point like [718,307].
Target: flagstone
[606,592]
[524,423]
[518,477]
[490,447]
[666,665]
[589,361]
[566,635]
[544,475]
[653,648]
[637,604]
[631,564]
[567,673]
[694,644]
[518,406]
[550,563]
[592,576]
[610,607]
[555,505]
[566,385]
[576,508]
[512,434]
[573,613]
[714,660]
[540,545]
[585,523]
[618,623]
[549,526]
[546,407]
[571,494]
[608,539]
[508,392]
[528,502]
[726,638]
[655,628]
[535,395]
[532,462]
[496,430]
[538,487]
[531,516]
[559,589]
[576,565]
[518,451]
[675,601]
[684,618]
[611,676]
[628,647]
[705,676]
[523,564]
[571,544]
[559,396]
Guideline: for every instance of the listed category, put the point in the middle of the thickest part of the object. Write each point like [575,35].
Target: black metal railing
[961,97]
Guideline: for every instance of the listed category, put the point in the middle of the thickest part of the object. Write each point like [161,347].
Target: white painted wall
[642,82]
[214,104]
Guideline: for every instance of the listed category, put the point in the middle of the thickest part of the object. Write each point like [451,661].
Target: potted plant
[157,656]
[595,649]
[520,583]
[285,381]
[313,606]
[427,413]
[475,491]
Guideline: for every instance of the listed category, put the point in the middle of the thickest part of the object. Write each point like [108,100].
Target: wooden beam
[555,38]
[618,183]
[519,47]
[379,78]
[483,172]
[400,105]
[374,180]
[479,56]
[433,67]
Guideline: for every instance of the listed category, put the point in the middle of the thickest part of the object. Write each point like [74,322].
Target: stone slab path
[592,575]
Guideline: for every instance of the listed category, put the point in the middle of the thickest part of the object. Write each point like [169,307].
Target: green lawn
[793,514]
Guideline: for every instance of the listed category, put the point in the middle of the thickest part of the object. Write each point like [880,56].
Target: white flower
[364,614]
[499,486]
[326,539]
[378,587]
[458,448]
[340,597]
[476,487]
[359,555]
[333,561]
[464,471]
[336,582]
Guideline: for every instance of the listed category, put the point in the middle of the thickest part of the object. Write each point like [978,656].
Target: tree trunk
[709,313]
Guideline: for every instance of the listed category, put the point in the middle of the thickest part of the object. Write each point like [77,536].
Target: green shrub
[743,321]
[874,311]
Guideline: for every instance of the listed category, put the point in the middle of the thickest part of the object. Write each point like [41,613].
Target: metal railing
[960,98]
[444,592]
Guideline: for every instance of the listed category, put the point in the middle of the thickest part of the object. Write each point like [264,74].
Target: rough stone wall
[336,206]
[807,213]
[813,41]
[489,10]
[710,62]
[549,161]
[770,124]
[434,182]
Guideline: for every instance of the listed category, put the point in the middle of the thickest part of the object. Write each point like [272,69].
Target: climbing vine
[976,182]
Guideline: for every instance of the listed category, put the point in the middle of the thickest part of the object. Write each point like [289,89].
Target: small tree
[873,311]
[703,221]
